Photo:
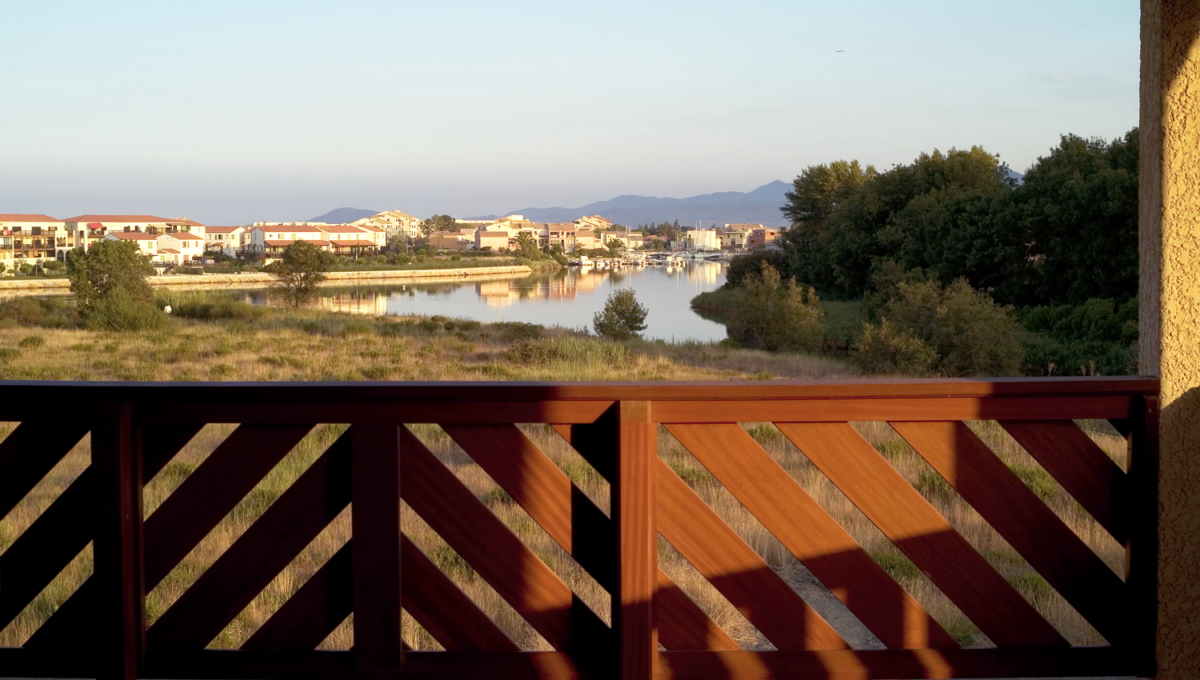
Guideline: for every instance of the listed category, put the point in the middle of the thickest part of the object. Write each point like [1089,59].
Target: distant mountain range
[344,215]
[760,206]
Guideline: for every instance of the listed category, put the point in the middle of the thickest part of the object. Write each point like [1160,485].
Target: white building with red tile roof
[228,240]
[147,243]
[84,230]
[189,245]
[274,239]
[28,238]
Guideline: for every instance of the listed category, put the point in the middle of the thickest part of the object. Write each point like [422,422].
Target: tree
[1079,207]
[107,266]
[818,190]
[527,244]
[623,317]
[438,223]
[775,315]
[299,272]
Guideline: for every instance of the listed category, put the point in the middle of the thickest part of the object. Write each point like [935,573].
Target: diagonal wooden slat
[910,522]
[61,532]
[734,569]
[1021,518]
[574,522]
[212,491]
[809,533]
[313,612]
[326,599]
[259,554]
[507,564]
[1083,469]
[29,453]
[436,603]
[45,548]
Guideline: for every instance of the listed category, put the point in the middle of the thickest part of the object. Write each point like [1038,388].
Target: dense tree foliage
[623,317]
[105,267]
[1065,235]
[439,223]
[299,272]
[776,315]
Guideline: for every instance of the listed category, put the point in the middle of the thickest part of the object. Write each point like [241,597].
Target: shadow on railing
[653,628]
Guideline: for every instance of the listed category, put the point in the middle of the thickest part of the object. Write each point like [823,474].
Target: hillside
[343,215]
[758,206]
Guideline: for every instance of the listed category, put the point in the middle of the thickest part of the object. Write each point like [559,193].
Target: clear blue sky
[228,112]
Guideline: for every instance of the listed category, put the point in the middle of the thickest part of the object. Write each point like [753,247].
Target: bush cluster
[951,331]
[574,350]
[775,315]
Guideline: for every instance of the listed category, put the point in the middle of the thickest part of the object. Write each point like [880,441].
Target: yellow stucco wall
[1170,310]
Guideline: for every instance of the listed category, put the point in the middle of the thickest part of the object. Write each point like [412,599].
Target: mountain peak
[344,215]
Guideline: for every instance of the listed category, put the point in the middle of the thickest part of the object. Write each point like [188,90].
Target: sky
[232,112]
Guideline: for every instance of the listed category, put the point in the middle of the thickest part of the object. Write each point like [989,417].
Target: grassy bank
[214,337]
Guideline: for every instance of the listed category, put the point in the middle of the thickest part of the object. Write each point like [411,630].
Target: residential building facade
[28,238]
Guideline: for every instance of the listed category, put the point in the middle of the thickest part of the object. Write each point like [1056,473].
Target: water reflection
[565,298]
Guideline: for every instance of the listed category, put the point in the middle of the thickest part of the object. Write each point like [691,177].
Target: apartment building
[496,240]
[28,238]
[393,223]
[84,230]
[347,239]
[147,244]
[228,240]
[272,239]
[762,237]
[186,244]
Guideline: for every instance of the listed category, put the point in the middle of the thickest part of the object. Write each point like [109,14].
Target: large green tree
[1079,207]
[439,223]
[300,271]
[105,267]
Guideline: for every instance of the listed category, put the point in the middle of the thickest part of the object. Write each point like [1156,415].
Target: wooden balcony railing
[656,631]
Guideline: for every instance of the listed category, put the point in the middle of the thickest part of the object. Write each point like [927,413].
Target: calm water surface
[566,298]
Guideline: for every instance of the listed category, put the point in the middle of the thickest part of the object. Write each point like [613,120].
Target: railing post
[375,519]
[635,510]
[117,548]
[1141,560]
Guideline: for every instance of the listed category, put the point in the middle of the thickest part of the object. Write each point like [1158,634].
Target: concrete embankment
[258,280]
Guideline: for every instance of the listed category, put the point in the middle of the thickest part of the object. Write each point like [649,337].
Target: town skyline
[235,113]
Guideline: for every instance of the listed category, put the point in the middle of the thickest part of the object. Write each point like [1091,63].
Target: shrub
[749,266]
[46,312]
[884,349]
[217,309]
[32,341]
[8,355]
[25,269]
[121,311]
[518,330]
[575,350]
[623,317]
[776,316]
[968,332]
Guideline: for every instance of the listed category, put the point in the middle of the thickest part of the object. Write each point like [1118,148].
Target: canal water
[568,298]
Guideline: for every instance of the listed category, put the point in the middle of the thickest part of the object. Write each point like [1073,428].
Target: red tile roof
[358,242]
[341,229]
[126,218]
[184,236]
[23,217]
[222,230]
[169,251]
[133,236]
